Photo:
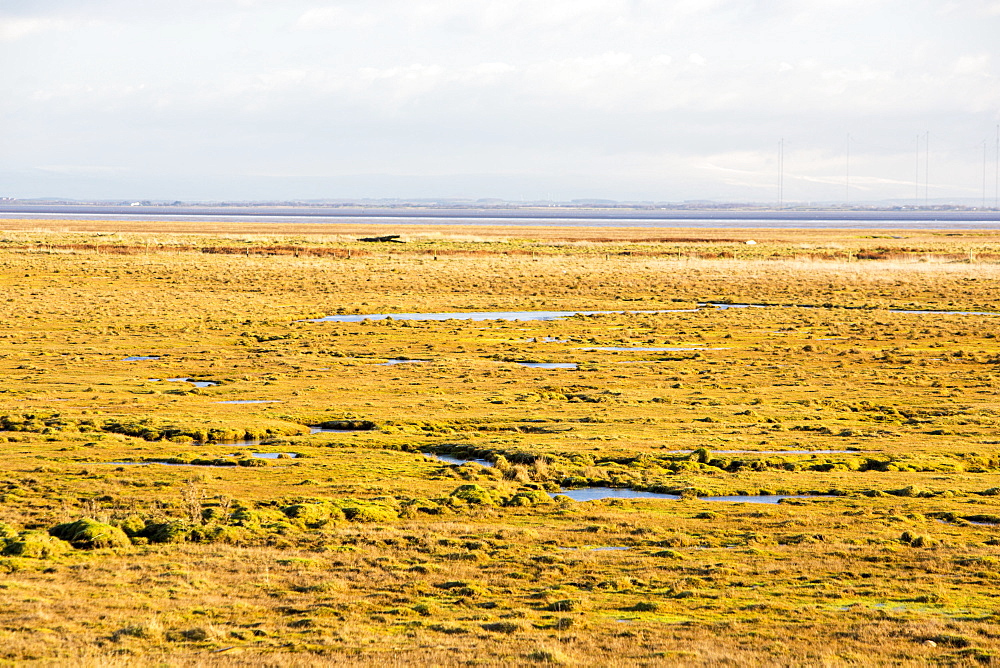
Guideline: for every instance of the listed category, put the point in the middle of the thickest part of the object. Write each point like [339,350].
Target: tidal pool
[607,548]
[549,365]
[140,358]
[456,460]
[250,401]
[481,315]
[597,493]
[402,361]
[196,383]
[554,315]
[655,350]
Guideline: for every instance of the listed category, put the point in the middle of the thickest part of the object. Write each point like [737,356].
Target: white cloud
[336,17]
[82,170]
[969,64]
[12,28]
[692,91]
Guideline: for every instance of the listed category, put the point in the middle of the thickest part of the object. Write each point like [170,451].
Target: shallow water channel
[549,365]
[555,315]
[597,493]
[196,383]
[480,315]
[455,460]
[666,349]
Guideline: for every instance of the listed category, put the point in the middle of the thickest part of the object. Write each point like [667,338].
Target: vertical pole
[916,175]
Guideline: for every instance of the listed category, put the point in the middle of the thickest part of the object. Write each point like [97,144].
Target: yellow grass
[363,551]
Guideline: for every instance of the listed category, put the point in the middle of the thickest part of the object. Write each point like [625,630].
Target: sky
[630,100]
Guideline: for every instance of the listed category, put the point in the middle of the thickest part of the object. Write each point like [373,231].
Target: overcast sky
[664,100]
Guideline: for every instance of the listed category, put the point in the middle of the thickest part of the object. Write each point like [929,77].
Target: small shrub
[89,534]
[167,532]
[502,627]
[473,494]
[147,631]
[448,628]
[553,656]
[35,544]
[668,554]
[424,609]
[565,605]
[310,515]
[7,531]
[369,513]
[644,606]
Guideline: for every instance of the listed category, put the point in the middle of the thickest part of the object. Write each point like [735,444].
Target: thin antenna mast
[916,175]
[996,173]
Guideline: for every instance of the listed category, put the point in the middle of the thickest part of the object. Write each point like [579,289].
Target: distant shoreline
[524,216]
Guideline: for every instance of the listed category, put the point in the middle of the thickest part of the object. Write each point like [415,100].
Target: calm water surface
[597,493]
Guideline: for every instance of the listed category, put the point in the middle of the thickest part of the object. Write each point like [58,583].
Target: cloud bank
[622,99]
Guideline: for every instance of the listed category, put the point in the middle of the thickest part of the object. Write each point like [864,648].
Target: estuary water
[551,216]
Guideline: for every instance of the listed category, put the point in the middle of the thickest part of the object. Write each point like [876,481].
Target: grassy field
[140,526]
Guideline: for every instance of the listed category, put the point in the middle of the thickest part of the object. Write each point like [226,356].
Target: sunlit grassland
[362,550]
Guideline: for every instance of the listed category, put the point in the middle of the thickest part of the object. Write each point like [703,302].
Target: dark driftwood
[390,238]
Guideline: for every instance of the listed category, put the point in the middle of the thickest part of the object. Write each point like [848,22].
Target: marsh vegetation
[286,512]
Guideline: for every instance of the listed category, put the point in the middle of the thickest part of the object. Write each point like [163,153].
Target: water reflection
[549,365]
[655,350]
[597,493]
[480,315]
[455,460]
[196,383]
[554,315]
